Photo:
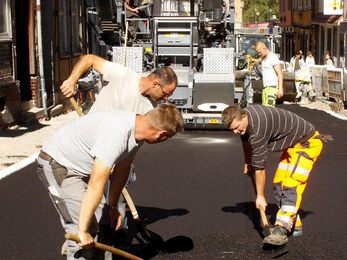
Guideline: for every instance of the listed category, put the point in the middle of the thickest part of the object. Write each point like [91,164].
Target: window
[64,46]
[5,20]
[70,27]
[76,23]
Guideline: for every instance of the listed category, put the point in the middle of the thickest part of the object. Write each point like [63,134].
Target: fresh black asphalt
[191,191]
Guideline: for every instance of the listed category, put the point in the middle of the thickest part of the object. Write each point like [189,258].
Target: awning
[326,19]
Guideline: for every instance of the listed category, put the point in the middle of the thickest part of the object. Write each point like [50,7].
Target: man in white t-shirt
[126,89]
[272,75]
[75,164]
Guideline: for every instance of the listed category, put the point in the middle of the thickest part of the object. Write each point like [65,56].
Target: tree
[259,10]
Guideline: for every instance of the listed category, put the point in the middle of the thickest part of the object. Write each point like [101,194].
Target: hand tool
[104,247]
[149,236]
[154,239]
[261,208]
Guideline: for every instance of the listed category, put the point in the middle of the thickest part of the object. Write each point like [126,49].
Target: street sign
[333,7]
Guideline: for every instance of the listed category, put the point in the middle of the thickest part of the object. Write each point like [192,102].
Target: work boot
[278,237]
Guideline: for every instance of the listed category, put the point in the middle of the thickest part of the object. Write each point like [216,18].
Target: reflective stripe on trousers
[291,178]
[269,96]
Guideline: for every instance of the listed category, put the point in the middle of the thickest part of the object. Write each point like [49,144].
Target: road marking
[18,166]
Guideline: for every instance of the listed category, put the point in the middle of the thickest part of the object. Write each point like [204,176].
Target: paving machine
[197,39]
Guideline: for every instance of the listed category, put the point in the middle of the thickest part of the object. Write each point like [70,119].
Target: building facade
[40,42]
[307,26]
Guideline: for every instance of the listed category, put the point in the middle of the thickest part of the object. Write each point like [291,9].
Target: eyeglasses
[166,95]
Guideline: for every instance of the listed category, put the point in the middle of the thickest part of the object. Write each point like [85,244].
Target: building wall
[9,87]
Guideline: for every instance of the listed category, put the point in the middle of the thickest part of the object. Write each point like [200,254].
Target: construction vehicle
[196,38]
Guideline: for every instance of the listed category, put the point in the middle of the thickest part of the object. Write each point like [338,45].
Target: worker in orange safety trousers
[264,129]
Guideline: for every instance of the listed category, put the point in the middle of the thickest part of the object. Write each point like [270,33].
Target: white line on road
[18,166]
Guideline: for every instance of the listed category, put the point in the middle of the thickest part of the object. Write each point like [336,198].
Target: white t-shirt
[269,75]
[108,136]
[310,61]
[122,91]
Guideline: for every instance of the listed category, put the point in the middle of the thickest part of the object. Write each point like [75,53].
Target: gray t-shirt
[108,136]
[122,91]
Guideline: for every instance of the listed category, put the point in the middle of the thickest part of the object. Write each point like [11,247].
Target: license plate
[213,121]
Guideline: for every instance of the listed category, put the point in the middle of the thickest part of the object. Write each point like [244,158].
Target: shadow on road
[149,215]
[249,209]
[132,242]
[124,240]
[22,129]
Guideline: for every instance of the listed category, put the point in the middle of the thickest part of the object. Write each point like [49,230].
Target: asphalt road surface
[191,191]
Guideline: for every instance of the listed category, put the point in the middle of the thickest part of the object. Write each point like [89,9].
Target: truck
[196,38]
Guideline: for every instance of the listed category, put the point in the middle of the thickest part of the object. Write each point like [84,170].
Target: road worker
[75,164]
[272,75]
[126,90]
[264,129]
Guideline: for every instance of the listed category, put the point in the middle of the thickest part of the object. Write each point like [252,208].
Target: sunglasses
[166,95]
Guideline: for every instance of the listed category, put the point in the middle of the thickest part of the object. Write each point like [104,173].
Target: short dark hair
[230,114]
[165,74]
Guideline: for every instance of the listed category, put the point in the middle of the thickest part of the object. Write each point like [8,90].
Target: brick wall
[36,91]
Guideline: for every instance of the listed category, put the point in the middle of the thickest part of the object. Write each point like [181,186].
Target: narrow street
[192,192]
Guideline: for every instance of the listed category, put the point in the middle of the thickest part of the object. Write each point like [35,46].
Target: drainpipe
[42,73]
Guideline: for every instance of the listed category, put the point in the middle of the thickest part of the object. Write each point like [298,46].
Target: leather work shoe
[295,233]
[277,237]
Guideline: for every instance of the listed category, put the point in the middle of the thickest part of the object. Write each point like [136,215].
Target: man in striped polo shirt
[264,129]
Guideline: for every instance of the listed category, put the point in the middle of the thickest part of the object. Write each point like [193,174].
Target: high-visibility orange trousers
[291,178]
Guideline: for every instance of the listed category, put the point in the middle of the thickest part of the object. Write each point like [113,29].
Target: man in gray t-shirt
[75,164]
[126,89]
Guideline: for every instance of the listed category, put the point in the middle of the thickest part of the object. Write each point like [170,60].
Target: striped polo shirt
[273,129]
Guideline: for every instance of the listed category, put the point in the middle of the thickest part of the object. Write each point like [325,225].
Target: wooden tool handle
[261,208]
[104,247]
[130,203]
[264,220]
[76,107]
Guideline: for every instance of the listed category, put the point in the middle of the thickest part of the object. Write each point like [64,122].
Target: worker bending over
[264,129]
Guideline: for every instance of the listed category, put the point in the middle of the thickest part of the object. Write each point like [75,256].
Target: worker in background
[272,75]
[76,162]
[265,129]
[295,65]
[310,59]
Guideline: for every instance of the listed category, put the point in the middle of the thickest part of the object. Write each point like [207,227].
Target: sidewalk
[21,141]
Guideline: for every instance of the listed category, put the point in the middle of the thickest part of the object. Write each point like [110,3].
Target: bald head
[262,50]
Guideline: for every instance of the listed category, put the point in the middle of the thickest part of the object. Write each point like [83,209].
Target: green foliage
[263,7]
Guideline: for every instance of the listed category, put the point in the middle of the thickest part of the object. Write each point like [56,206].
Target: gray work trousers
[66,189]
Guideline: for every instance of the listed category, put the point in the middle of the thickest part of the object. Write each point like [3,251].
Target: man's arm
[91,200]
[119,178]
[278,70]
[260,186]
[68,88]
[128,7]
